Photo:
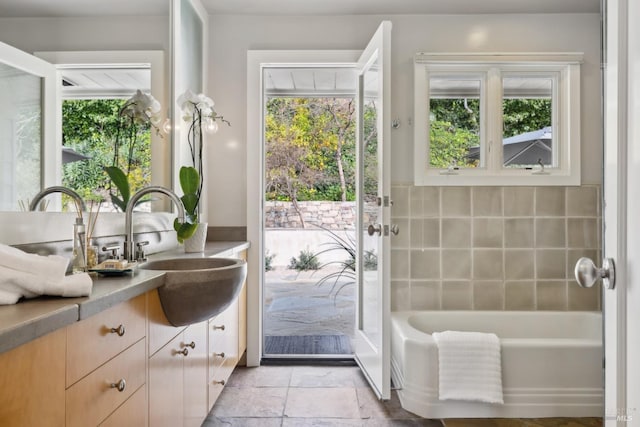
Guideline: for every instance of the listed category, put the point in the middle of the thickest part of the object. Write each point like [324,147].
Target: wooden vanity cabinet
[32,383]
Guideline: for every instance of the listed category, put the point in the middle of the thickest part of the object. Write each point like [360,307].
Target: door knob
[394,229]
[374,228]
[587,273]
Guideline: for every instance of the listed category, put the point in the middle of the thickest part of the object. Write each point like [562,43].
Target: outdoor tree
[90,127]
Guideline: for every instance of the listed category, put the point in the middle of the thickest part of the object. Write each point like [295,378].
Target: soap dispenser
[79,261]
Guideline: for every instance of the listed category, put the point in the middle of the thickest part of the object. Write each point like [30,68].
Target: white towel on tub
[469,366]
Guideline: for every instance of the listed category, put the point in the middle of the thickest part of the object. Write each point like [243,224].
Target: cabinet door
[160,330]
[32,383]
[166,385]
[195,375]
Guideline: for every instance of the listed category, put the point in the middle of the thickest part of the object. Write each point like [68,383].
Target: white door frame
[257,60]
[621,210]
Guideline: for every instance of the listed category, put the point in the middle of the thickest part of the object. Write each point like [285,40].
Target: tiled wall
[493,248]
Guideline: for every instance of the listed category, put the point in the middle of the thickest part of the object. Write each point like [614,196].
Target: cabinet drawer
[132,413]
[93,341]
[93,398]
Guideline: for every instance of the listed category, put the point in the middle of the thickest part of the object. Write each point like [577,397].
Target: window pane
[527,122]
[454,118]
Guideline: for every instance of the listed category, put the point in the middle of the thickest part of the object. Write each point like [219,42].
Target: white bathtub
[551,362]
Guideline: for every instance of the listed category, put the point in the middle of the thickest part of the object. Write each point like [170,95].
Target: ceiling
[107,82]
[311,82]
[60,8]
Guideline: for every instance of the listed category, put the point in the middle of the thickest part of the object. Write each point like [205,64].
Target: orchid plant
[142,109]
[198,111]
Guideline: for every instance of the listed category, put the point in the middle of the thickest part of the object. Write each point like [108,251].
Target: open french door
[372,340]
[621,210]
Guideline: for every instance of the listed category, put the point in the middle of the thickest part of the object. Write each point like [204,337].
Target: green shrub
[306,261]
[268,259]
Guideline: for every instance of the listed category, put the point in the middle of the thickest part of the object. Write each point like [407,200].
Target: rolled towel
[469,366]
[17,284]
[51,266]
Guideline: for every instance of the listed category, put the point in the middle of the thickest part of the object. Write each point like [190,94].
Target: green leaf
[184,230]
[120,181]
[190,202]
[189,180]
[119,203]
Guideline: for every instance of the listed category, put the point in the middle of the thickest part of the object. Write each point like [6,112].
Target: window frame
[563,68]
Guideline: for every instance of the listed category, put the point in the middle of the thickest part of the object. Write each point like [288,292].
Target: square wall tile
[519,295]
[416,231]
[416,200]
[550,232]
[431,233]
[488,295]
[487,264]
[518,233]
[425,264]
[399,263]
[550,201]
[518,201]
[425,295]
[583,201]
[551,295]
[583,233]
[584,298]
[456,201]
[487,201]
[456,263]
[551,264]
[400,295]
[456,233]
[457,295]
[400,197]
[519,264]
[431,202]
[487,232]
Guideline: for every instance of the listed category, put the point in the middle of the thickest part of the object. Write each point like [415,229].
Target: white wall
[87,33]
[232,35]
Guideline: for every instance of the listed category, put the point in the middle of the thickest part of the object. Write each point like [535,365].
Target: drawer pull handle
[120,385]
[119,330]
[192,344]
[218,354]
[221,382]
[184,351]
[218,327]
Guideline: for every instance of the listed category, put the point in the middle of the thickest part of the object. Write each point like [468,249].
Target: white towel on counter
[45,277]
[45,266]
[469,366]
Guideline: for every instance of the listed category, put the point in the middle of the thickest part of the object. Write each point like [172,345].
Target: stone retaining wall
[330,215]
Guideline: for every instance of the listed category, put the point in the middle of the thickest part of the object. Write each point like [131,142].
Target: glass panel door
[372,339]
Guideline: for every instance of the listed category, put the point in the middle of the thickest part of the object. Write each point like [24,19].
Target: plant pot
[196,242]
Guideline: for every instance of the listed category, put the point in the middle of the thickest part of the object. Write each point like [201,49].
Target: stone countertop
[30,319]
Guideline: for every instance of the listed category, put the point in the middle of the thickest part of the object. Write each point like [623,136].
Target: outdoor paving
[294,304]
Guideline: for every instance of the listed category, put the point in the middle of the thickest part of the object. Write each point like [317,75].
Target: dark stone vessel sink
[196,289]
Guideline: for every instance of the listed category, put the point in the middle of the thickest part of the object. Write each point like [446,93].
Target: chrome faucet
[129,252]
[57,189]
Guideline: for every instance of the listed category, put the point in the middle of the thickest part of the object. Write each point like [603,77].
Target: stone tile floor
[301,396]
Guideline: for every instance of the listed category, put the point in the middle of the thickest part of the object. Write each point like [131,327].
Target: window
[508,119]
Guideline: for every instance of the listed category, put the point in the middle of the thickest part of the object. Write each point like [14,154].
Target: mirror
[25,132]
